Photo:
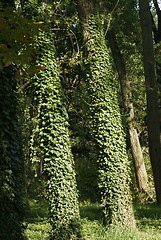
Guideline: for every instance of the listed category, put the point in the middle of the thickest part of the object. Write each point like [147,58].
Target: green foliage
[11,161]
[87,176]
[106,126]
[50,144]
[37,10]
[94,230]
[124,18]
[38,230]
[148,221]
[125,21]
[17,34]
[68,42]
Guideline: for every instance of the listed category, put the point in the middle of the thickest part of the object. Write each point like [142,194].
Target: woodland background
[80,99]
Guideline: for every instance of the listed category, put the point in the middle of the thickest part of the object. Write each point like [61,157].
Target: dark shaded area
[91,212]
[148,215]
[38,211]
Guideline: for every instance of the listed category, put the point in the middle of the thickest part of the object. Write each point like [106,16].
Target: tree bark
[140,170]
[152,95]
[157,30]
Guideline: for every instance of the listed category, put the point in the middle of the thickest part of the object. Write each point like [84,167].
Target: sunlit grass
[148,218]
[38,230]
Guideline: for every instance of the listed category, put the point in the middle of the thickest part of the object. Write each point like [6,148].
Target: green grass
[38,227]
[148,218]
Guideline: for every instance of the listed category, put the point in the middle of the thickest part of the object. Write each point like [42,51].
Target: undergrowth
[148,218]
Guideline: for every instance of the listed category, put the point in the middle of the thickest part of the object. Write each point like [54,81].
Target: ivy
[106,125]
[12,197]
[50,143]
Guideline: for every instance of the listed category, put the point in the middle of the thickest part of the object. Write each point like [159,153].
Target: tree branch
[155,2]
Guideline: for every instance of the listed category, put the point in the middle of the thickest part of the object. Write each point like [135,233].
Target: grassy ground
[148,219]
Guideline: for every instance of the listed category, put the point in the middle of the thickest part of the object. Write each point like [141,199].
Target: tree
[11,165]
[69,50]
[12,180]
[50,143]
[157,30]
[106,125]
[152,96]
[156,27]
[140,170]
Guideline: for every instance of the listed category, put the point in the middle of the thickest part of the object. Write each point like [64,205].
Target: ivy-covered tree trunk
[152,96]
[12,189]
[140,170]
[106,124]
[50,143]
[12,180]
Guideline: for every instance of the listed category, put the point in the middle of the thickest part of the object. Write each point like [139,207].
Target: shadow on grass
[38,212]
[148,215]
[91,212]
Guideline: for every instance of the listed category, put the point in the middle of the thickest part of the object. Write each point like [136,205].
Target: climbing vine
[11,161]
[50,143]
[12,181]
[105,121]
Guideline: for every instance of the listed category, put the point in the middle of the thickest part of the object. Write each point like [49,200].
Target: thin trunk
[140,170]
[157,30]
[157,39]
[152,96]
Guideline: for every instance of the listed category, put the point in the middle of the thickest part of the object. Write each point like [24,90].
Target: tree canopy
[79,107]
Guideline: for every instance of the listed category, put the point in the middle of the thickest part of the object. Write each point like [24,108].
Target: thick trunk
[140,170]
[50,141]
[105,124]
[152,96]
[12,188]
[12,184]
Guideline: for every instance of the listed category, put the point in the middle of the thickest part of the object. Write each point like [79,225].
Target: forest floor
[148,218]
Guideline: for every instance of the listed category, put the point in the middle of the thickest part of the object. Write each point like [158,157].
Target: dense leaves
[71,110]
[11,160]
[50,143]
[17,34]
[106,125]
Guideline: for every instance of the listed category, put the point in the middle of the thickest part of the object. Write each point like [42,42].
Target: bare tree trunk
[152,96]
[140,170]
